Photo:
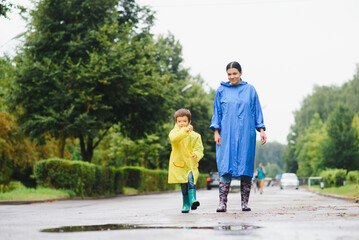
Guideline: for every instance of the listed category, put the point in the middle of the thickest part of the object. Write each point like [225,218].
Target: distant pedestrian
[237,114]
[187,150]
[260,174]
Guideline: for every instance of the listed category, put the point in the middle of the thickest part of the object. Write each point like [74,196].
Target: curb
[24,202]
[349,199]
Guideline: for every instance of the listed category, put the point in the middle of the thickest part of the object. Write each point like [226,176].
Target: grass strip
[35,194]
[349,190]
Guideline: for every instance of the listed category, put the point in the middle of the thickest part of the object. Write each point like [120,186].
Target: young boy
[187,150]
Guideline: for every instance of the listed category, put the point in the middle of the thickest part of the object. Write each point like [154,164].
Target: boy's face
[182,121]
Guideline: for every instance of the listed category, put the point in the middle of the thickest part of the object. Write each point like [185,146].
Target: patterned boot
[192,199]
[186,204]
[245,191]
[223,193]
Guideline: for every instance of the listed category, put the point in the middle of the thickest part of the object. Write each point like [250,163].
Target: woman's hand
[217,137]
[263,136]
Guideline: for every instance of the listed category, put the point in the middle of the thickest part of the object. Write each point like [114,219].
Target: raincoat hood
[228,84]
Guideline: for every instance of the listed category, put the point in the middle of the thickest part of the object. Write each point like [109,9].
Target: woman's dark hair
[234,65]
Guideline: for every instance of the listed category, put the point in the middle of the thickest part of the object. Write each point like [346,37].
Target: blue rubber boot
[186,204]
[192,199]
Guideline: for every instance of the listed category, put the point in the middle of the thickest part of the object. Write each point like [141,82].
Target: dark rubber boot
[223,195]
[245,191]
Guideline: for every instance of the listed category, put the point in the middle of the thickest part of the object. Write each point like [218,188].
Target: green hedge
[146,180]
[353,176]
[333,177]
[83,178]
[87,179]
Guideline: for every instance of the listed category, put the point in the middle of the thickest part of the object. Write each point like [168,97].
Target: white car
[289,180]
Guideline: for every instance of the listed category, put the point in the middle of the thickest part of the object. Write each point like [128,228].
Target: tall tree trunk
[86,152]
[61,145]
[157,162]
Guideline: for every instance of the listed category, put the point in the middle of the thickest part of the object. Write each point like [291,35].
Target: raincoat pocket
[179,164]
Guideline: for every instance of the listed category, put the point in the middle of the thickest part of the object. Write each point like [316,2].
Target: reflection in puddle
[109,227]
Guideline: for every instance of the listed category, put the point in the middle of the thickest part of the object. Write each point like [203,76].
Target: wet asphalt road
[277,214]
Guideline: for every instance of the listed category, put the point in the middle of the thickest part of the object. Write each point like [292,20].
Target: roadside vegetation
[19,192]
[349,190]
[326,131]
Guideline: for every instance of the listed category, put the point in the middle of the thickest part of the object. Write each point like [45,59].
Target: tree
[310,150]
[19,154]
[6,71]
[350,93]
[270,153]
[341,149]
[290,155]
[7,7]
[86,66]
[323,102]
[272,170]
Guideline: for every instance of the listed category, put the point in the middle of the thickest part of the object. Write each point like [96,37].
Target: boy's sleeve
[177,136]
[198,148]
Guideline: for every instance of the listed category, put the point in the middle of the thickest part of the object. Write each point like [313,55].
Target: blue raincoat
[237,113]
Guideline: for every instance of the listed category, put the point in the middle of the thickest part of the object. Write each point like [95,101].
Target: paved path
[277,214]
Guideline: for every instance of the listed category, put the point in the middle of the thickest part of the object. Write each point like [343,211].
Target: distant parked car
[289,180]
[212,180]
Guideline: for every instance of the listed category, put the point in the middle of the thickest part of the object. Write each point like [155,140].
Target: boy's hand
[189,128]
[194,157]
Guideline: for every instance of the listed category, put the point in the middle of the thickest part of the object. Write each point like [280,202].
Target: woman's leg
[192,192]
[246,184]
[185,198]
[224,184]
[261,182]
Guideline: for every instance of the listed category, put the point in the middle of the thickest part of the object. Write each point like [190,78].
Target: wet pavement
[277,214]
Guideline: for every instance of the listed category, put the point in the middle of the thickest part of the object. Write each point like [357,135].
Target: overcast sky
[285,47]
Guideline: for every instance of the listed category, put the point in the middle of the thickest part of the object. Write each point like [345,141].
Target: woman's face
[234,76]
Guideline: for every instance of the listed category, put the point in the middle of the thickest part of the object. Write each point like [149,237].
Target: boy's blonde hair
[181,113]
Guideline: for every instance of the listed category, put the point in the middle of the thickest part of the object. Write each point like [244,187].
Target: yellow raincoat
[184,144]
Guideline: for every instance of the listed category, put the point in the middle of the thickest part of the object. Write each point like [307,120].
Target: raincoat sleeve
[198,147]
[258,113]
[217,112]
[177,136]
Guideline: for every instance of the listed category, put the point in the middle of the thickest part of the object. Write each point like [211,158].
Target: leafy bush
[146,180]
[87,179]
[14,185]
[353,176]
[83,178]
[333,177]
[339,177]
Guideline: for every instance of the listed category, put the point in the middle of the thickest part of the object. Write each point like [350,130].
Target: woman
[260,174]
[237,113]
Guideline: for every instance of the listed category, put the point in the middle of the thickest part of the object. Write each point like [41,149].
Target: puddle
[109,227]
